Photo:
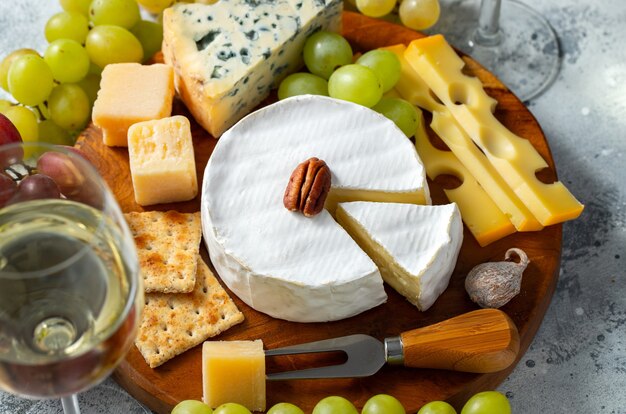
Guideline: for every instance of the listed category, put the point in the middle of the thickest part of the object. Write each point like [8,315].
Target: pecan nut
[308,187]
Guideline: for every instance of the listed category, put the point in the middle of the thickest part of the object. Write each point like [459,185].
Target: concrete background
[577,362]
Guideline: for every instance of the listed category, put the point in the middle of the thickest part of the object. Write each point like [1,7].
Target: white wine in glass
[70,295]
[508,38]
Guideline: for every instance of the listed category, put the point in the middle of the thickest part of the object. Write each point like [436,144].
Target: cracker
[174,323]
[168,244]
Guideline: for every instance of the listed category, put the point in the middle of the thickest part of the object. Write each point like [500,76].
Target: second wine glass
[508,38]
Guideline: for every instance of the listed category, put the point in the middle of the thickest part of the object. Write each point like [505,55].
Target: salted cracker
[174,323]
[168,244]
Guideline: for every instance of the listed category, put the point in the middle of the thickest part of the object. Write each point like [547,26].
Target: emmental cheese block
[280,262]
[234,372]
[415,247]
[480,214]
[513,157]
[131,93]
[228,55]
[162,163]
[413,88]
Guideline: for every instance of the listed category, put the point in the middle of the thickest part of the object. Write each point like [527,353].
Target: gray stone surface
[577,362]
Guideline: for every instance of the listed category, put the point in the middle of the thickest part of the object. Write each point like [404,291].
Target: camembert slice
[280,262]
[415,247]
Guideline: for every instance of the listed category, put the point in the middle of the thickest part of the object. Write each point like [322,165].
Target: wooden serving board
[160,389]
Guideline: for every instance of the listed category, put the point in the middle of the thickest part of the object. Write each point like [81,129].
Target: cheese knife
[480,341]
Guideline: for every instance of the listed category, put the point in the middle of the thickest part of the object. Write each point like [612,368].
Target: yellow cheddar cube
[131,93]
[234,371]
[162,162]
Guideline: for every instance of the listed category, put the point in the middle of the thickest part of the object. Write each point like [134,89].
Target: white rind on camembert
[280,262]
[228,55]
[415,247]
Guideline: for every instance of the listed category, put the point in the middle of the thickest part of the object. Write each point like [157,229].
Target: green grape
[385,65]
[123,13]
[383,404]
[6,64]
[25,121]
[231,408]
[375,8]
[94,69]
[78,6]
[355,83]
[4,105]
[68,60]
[334,405]
[191,407]
[54,134]
[487,402]
[67,25]
[285,408]
[402,113]
[150,35]
[155,6]
[69,106]
[419,14]
[437,407]
[91,86]
[324,52]
[112,44]
[302,84]
[30,80]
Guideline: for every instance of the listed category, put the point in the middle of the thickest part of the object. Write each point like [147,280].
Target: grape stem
[40,112]
[16,175]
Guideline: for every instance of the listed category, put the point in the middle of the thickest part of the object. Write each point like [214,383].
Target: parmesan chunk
[234,371]
[131,93]
[162,163]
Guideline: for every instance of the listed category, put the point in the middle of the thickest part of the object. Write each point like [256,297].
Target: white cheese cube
[162,162]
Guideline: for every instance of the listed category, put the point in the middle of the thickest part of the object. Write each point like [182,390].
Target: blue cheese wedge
[227,56]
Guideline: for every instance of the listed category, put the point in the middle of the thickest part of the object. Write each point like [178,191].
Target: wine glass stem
[70,404]
[488,32]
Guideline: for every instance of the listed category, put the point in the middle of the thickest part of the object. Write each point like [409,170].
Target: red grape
[8,132]
[9,135]
[63,170]
[7,188]
[89,193]
[72,175]
[35,187]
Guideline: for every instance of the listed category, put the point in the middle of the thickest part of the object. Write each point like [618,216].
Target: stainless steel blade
[366,355]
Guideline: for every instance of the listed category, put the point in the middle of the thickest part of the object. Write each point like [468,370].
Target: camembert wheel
[283,263]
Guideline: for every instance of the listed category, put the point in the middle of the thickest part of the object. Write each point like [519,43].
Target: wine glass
[510,39]
[70,294]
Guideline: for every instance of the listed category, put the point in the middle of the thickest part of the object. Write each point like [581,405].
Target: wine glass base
[527,57]
[98,400]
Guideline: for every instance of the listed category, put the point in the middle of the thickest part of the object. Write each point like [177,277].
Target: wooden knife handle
[481,341]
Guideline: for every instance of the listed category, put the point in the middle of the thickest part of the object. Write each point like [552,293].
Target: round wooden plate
[181,378]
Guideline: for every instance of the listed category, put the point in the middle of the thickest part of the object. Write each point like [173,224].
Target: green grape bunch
[414,14]
[329,59]
[54,91]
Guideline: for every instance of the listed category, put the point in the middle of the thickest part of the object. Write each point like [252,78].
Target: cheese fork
[480,341]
